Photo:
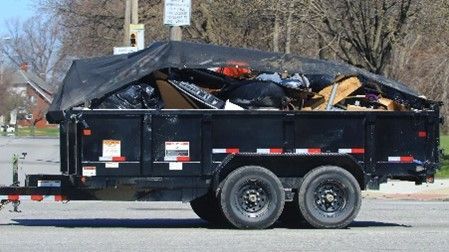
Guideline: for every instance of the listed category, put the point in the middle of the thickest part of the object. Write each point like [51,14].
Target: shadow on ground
[160,223]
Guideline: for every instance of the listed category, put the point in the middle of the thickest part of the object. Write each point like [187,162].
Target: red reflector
[182,159]
[119,159]
[87,132]
[358,151]
[232,150]
[37,197]
[59,198]
[422,134]
[13,197]
[408,159]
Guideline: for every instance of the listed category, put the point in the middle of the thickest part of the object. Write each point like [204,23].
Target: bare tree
[4,92]
[35,42]
[93,28]
[421,59]
[9,98]
[363,33]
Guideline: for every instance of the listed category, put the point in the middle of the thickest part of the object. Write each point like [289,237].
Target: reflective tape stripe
[401,159]
[394,159]
[13,197]
[115,159]
[309,150]
[33,197]
[60,198]
[225,151]
[270,151]
[37,197]
[25,197]
[344,150]
[352,151]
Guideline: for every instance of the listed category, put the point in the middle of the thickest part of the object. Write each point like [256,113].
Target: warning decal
[111,148]
[175,166]
[175,151]
[111,165]
[89,171]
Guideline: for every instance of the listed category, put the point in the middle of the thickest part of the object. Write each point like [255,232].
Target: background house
[37,95]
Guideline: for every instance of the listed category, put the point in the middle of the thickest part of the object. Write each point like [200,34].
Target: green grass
[444,171]
[50,132]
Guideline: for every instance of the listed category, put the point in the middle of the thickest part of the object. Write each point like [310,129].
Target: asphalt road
[143,226]
[42,157]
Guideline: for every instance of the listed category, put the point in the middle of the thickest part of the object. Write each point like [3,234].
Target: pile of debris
[238,88]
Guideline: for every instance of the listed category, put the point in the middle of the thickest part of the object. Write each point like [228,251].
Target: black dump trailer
[248,168]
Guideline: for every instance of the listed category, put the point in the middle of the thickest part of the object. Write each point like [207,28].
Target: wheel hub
[330,196]
[253,198]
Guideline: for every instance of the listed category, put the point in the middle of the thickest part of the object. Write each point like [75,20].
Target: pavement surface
[42,157]
[156,226]
[403,190]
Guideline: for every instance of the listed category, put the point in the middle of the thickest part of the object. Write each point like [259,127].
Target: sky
[10,9]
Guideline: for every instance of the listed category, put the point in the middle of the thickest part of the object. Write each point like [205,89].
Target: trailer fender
[288,165]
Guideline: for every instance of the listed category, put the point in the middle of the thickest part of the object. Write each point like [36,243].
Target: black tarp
[89,79]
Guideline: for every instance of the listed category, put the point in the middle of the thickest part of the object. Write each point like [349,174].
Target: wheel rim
[330,196]
[253,198]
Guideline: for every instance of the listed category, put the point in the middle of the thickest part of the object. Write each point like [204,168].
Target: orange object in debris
[234,71]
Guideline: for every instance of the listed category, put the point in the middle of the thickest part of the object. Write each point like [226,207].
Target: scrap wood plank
[345,88]
[391,105]
[351,107]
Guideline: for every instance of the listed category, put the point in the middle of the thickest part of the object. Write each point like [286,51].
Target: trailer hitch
[15,183]
[15,205]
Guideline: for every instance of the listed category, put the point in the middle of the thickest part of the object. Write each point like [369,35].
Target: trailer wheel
[208,209]
[329,197]
[252,197]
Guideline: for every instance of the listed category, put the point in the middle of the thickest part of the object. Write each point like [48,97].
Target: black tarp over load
[94,79]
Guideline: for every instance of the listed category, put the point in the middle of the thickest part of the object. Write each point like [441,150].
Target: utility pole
[175,33]
[135,11]
[126,41]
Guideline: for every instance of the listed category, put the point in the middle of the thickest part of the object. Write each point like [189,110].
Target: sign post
[176,14]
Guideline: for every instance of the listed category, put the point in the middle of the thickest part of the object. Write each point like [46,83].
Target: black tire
[329,197]
[208,209]
[252,197]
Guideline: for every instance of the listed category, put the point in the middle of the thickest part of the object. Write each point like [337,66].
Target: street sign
[177,12]
[124,50]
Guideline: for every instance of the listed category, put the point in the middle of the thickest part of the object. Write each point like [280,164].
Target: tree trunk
[277,26]
[289,25]
[33,130]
